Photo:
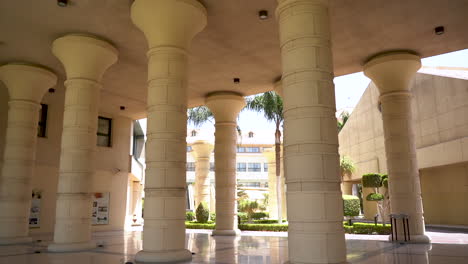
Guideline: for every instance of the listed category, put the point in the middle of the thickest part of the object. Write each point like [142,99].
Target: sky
[348,90]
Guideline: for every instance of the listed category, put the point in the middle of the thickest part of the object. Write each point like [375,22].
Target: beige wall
[445,194]
[112,163]
[440,110]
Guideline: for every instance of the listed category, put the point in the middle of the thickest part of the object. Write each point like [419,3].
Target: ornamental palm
[201,114]
[271,105]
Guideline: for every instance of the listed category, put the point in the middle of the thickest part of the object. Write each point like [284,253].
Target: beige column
[26,86]
[315,207]
[169,27]
[347,188]
[85,59]
[392,72]
[225,107]
[202,152]
[272,191]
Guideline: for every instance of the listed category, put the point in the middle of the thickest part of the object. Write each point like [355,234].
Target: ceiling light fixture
[122,107]
[263,14]
[439,30]
[236,80]
[51,90]
[62,3]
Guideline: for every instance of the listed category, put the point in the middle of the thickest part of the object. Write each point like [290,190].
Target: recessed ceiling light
[439,30]
[263,14]
[62,3]
[236,80]
[122,107]
[51,90]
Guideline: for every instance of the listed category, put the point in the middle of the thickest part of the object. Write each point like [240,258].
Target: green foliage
[266,221]
[213,217]
[365,228]
[189,216]
[199,115]
[270,104]
[347,165]
[371,180]
[264,227]
[375,197]
[202,213]
[242,216]
[259,215]
[351,205]
[197,225]
[385,183]
[249,207]
[344,116]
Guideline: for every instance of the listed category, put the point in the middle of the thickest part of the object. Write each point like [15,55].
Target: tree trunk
[278,173]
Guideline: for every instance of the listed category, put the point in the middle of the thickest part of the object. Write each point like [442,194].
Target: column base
[415,239]
[71,247]
[15,240]
[234,232]
[163,256]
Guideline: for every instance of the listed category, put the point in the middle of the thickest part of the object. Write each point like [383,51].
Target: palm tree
[271,105]
[201,114]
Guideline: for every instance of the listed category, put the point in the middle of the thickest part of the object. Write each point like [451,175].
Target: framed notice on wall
[100,212]
[35,212]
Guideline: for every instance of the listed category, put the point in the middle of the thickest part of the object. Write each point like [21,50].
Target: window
[241,167]
[255,167]
[189,148]
[265,167]
[212,166]
[104,131]
[190,166]
[251,134]
[248,149]
[251,184]
[194,133]
[42,125]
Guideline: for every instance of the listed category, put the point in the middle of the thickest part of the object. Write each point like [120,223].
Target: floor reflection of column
[226,249]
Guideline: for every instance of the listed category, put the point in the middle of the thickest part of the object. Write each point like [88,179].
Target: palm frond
[199,115]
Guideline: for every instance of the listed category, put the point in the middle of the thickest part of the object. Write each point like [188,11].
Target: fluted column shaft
[85,59]
[225,107]
[26,84]
[169,27]
[311,156]
[392,72]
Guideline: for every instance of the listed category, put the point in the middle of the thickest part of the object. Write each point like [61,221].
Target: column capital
[27,81]
[84,56]
[169,23]
[202,149]
[392,71]
[279,88]
[225,105]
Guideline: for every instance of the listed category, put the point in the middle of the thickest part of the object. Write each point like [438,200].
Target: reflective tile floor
[250,247]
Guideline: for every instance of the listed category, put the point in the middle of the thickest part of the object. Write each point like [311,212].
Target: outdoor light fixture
[122,107]
[62,3]
[236,80]
[263,14]
[439,30]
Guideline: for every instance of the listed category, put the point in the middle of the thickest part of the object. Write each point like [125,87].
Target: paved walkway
[250,247]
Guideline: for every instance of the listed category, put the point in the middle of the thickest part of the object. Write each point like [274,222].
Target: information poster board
[35,212]
[100,212]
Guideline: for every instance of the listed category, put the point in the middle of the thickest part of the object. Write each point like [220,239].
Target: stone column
[225,107]
[272,191]
[169,27]
[347,188]
[85,59]
[202,152]
[26,86]
[311,159]
[392,72]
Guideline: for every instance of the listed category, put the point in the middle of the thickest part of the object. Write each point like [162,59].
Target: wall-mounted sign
[100,212]
[35,212]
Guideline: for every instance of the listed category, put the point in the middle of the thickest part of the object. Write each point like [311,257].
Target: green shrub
[371,180]
[259,215]
[267,221]
[203,213]
[189,216]
[242,216]
[264,227]
[351,205]
[375,197]
[213,217]
[364,228]
[197,225]
[385,182]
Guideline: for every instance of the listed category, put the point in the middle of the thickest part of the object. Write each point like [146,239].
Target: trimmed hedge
[259,215]
[266,221]
[189,216]
[202,213]
[264,227]
[351,205]
[213,217]
[197,225]
[375,197]
[371,180]
[364,228]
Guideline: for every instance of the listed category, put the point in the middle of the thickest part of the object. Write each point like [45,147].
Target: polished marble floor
[250,247]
